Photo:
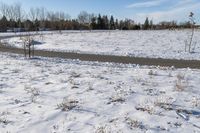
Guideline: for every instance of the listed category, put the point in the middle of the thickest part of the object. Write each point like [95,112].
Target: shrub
[68,104]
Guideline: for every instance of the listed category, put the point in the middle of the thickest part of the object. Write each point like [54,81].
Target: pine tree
[112,23]
[3,24]
[116,24]
[37,24]
[19,23]
[146,24]
[99,22]
[106,22]
[93,23]
[121,25]
[151,24]
[11,23]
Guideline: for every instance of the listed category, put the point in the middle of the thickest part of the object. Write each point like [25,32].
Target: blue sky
[158,10]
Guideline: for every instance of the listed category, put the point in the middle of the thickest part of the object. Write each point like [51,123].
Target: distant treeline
[13,18]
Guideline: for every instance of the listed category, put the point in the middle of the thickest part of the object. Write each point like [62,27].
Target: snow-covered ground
[153,44]
[54,95]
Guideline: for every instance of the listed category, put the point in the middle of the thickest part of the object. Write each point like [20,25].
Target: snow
[153,44]
[55,95]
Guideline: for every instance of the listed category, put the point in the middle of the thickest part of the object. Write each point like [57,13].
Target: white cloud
[184,2]
[145,4]
[178,12]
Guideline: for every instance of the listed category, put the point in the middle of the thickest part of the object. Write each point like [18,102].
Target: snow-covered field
[53,95]
[153,44]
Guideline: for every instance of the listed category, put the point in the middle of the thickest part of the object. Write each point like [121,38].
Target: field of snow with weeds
[54,95]
[168,44]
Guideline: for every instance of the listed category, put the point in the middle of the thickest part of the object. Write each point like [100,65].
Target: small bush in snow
[134,124]
[102,129]
[190,44]
[4,121]
[41,36]
[116,99]
[145,108]
[152,73]
[181,84]
[165,103]
[28,46]
[75,75]
[170,74]
[196,102]
[33,91]
[68,104]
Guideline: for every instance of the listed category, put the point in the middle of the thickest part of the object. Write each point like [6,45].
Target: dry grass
[134,124]
[196,102]
[116,99]
[4,121]
[68,104]
[145,108]
[33,91]
[152,73]
[103,129]
[181,83]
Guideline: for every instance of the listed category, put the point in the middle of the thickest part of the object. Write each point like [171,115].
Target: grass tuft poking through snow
[68,104]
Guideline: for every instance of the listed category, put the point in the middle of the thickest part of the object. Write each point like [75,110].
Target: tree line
[14,18]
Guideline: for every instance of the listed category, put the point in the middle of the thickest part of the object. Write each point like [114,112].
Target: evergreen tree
[116,24]
[105,22]
[28,25]
[99,22]
[19,24]
[121,25]
[136,27]
[3,24]
[93,23]
[112,23]
[146,24]
[37,24]
[102,23]
[11,23]
[151,24]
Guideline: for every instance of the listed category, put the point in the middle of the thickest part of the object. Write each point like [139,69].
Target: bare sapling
[190,43]
[28,46]
[192,26]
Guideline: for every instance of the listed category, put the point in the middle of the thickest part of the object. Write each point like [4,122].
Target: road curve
[107,58]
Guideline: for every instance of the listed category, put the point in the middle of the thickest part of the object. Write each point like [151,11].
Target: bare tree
[4,8]
[28,46]
[189,43]
[192,21]
[41,13]
[91,16]
[67,16]
[61,20]
[83,17]
[11,12]
[33,14]
[19,14]
[52,18]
